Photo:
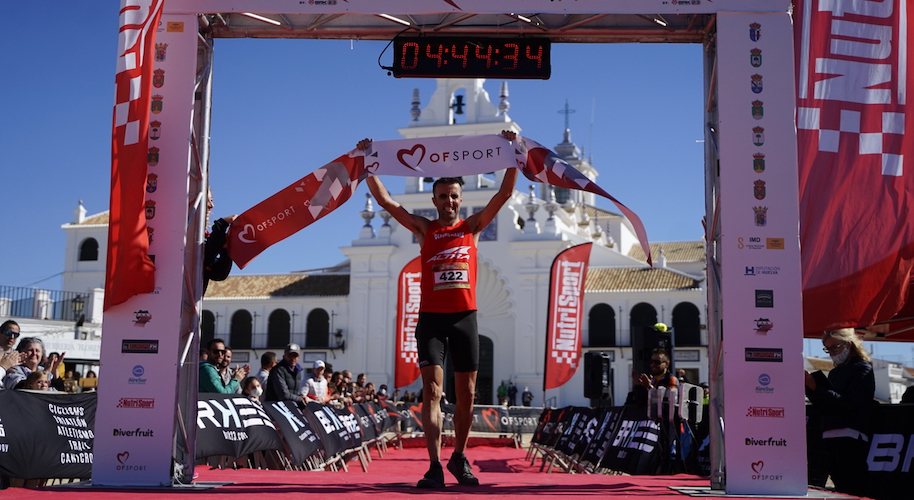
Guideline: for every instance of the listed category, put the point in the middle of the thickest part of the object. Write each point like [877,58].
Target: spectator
[252,389]
[706,389]
[32,351]
[908,396]
[382,393]
[502,393]
[681,375]
[37,381]
[9,332]
[660,376]
[286,377]
[369,394]
[527,397]
[51,361]
[512,394]
[267,362]
[91,374]
[334,386]
[209,378]
[845,399]
[216,261]
[204,353]
[223,367]
[314,388]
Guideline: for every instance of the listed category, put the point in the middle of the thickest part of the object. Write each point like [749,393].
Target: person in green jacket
[209,379]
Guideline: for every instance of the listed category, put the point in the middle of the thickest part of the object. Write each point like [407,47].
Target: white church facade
[346,315]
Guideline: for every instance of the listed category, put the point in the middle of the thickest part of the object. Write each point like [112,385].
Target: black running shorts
[438,333]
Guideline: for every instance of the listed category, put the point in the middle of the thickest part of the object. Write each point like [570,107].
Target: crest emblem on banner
[755,57]
[150,209]
[149,231]
[156,106]
[759,190]
[755,31]
[152,157]
[152,183]
[763,326]
[142,317]
[761,216]
[158,78]
[756,84]
[160,51]
[154,130]
[758,162]
[758,110]
[758,136]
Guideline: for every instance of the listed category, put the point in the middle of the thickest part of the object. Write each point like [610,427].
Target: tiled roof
[93,220]
[617,279]
[594,212]
[280,285]
[674,251]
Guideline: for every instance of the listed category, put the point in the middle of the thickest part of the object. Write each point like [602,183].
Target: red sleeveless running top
[448,269]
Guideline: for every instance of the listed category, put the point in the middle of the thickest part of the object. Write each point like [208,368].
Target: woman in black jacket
[845,400]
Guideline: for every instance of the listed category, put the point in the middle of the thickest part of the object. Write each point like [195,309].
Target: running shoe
[434,478]
[461,469]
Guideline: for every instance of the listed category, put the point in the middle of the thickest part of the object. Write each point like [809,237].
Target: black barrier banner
[571,433]
[353,438]
[602,436]
[635,447]
[393,414]
[234,426]
[549,422]
[46,434]
[523,419]
[584,431]
[295,428]
[365,420]
[411,414]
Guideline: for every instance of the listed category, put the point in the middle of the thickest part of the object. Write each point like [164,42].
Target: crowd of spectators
[285,379]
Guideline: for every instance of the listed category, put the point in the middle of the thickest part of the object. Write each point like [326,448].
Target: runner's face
[447,200]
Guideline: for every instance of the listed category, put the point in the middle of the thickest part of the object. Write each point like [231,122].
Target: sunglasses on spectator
[11,333]
[834,348]
[657,361]
[219,351]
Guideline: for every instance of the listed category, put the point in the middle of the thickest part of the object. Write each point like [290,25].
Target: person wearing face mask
[252,389]
[845,399]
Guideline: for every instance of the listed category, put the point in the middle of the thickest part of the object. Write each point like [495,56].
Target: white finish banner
[765,444]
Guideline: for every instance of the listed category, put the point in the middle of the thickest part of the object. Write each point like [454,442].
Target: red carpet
[503,472]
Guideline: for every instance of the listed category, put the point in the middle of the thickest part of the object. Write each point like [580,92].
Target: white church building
[346,315]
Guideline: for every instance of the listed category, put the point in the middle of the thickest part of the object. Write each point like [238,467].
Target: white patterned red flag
[856,228]
[539,164]
[294,208]
[314,196]
[566,312]
[128,242]
[409,293]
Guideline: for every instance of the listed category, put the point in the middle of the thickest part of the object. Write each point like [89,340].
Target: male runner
[447,312]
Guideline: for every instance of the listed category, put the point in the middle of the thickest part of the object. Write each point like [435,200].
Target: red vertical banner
[856,229]
[409,295]
[566,311]
[129,270]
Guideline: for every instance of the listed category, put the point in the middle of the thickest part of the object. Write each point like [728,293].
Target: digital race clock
[449,57]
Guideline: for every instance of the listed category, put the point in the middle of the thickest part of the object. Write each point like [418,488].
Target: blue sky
[282,108]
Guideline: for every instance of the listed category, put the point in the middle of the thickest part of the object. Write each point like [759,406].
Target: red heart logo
[490,417]
[247,234]
[758,466]
[409,158]
[521,165]
[373,167]
[122,457]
